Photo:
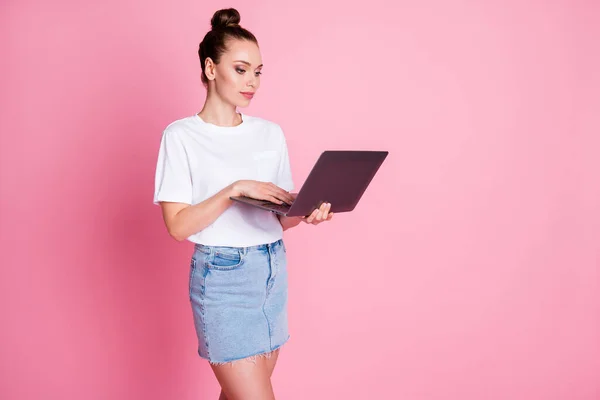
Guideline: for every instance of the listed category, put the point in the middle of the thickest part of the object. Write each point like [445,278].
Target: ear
[209,69]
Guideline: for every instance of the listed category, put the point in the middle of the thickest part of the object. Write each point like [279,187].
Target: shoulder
[179,130]
[179,126]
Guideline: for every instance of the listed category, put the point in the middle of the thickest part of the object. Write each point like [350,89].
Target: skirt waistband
[207,249]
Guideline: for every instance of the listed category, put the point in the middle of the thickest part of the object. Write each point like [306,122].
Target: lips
[248,95]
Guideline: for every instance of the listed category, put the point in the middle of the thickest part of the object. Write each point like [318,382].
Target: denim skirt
[239,300]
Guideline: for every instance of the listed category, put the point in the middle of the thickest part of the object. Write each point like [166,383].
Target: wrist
[233,189]
[289,222]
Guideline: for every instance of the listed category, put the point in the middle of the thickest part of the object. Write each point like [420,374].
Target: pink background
[470,269]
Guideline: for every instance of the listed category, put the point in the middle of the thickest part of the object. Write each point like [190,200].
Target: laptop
[339,177]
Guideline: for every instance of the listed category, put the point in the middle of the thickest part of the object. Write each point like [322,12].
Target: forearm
[288,222]
[195,218]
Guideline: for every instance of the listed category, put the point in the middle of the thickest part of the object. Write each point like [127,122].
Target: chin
[236,99]
[242,103]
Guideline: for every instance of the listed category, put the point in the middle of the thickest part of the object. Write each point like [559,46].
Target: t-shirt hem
[171,200]
[229,244]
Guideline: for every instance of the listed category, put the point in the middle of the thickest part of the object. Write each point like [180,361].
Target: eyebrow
[247,63]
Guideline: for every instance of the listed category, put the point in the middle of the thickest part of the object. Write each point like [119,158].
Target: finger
[330,216]
[325,212]
[317,214]
[274,194]
[288,197]
[281,194]
[273,199]
[288,200]
[312,216]
[322,212]
[307,218]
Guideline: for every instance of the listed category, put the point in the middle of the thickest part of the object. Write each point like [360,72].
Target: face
[237,76]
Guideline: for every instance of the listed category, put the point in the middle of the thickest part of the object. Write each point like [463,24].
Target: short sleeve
[173,180]
[284,175]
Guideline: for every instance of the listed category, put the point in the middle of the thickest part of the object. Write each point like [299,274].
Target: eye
[240,71]
[258,73]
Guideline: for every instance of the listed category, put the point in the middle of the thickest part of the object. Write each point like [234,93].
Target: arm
[288,222]
[183,220]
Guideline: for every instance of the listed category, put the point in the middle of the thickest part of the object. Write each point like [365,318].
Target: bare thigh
[272,361]
[247,379]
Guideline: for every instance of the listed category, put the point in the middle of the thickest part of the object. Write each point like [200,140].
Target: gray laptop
[339,177]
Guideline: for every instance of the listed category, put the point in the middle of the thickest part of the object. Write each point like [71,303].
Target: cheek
[229,89]
[230,81]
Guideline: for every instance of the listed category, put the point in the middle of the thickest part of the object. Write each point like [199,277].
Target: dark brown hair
[225,26]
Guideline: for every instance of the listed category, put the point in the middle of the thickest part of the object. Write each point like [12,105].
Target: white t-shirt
[197,159]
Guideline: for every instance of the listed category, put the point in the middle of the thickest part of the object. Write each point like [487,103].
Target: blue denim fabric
[239,300]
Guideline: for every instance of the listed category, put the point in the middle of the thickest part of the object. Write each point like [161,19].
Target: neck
[217,112]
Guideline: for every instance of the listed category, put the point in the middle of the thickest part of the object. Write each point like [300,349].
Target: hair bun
[226,18]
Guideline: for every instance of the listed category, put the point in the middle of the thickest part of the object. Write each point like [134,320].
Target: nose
[252,81]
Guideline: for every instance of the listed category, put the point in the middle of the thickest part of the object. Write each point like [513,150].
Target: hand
[319,215]
[262,191]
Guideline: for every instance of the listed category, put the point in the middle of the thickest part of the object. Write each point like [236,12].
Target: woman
[238,273]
